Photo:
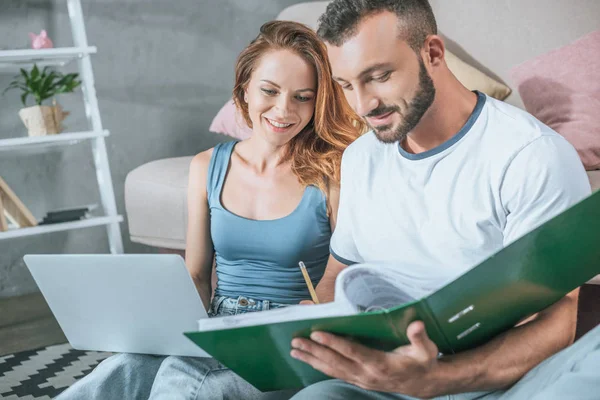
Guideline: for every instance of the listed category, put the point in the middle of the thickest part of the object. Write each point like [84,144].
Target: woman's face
[281,96]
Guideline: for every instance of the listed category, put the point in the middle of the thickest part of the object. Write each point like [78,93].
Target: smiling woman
[280,96]
[286,70]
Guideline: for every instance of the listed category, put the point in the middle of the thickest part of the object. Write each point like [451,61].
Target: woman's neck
[261,155]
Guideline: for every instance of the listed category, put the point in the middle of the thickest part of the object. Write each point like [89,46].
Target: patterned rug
[44,373]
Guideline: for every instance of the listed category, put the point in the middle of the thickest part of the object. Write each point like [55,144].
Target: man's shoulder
[526,145]
[515,125]
[509,130]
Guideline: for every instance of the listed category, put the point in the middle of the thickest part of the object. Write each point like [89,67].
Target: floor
[26,323]
[44,373]
[35,360]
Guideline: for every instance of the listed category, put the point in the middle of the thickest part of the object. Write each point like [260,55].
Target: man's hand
[307,303]
[408,369]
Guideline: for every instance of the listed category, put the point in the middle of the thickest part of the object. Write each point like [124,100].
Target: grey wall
[163,69]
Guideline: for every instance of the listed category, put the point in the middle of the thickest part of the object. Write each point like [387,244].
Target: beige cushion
[474,79]
[471,77]
[156,202]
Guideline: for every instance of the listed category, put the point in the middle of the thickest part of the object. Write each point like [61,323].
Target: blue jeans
[141,376]
[222,306]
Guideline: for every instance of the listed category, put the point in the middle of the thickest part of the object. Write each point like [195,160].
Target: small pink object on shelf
[41,41]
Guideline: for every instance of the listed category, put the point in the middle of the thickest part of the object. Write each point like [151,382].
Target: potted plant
[43,85]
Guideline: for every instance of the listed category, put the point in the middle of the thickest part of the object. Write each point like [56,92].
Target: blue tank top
[259,258]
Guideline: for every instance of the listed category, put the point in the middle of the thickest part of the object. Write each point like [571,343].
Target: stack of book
[67,215]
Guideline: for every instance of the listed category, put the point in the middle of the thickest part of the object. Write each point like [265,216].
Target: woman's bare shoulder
[198,175]
[201,161]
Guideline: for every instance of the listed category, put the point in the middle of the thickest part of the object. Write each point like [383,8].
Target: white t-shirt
[438,213]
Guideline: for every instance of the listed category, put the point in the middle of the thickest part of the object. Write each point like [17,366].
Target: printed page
[291,313]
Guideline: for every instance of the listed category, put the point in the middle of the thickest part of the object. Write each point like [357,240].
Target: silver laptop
[133,303]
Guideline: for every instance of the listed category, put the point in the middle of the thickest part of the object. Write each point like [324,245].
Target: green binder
[525,277]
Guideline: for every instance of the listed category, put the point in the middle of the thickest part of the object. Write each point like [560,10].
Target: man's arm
[505,359]
[326,287]
[554,180]
[415,369]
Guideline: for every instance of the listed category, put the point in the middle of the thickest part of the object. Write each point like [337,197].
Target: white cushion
[156,202]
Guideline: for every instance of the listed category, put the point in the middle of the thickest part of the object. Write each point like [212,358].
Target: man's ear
[433,51]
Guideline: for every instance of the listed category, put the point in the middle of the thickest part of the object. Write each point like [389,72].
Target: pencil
[311,289]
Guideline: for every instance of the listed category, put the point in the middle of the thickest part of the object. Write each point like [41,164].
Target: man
[446,178]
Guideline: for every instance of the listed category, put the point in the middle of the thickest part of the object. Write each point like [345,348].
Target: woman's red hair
[316,152]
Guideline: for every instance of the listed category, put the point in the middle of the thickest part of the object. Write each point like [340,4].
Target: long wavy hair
[316,152]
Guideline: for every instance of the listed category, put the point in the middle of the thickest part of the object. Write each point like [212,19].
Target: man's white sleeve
[545,178]
[342,245]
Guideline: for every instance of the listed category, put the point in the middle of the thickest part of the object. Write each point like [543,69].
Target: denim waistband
[223,305]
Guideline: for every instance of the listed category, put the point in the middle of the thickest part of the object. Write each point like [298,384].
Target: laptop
[130,303]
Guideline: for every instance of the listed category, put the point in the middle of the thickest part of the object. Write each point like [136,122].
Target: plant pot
[43,120]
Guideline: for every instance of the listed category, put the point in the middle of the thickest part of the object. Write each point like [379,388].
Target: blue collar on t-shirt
[463,131]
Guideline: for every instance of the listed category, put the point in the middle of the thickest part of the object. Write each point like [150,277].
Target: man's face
[383,79]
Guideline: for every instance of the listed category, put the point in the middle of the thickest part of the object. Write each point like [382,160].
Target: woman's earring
[245,98]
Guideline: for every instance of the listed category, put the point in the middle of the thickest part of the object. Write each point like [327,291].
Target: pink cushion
[562,89]
[228,121]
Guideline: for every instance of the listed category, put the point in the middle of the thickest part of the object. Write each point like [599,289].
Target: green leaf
[44,97]
[35,72]
[24,74]
[46,84]
[43,84]
[24,98]
[67,84]
[15,85]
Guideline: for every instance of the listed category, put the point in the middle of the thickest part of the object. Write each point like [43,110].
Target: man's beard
[415,110]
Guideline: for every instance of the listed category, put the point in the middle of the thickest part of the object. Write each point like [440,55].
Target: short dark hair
[340,20]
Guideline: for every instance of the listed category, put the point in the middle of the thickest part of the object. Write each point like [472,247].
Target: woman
[257,207]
